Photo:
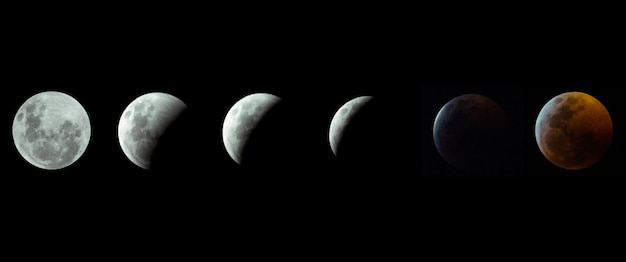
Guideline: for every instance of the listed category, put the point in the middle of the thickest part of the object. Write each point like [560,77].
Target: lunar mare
[573,130]
[143,122]
[51,130]
[242,118]
[342,118]
[469,133]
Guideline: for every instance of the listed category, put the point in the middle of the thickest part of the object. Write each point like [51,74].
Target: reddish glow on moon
[574,130]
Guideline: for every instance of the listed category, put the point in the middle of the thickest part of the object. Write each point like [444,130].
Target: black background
[106,60]
[315,61]
[509,96]
[522,103]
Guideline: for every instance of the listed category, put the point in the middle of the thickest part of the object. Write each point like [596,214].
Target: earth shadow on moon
[288,147]
[177,149]
[574,130]
[143,122]
[271,146]
[369,141]
[191,147]
[471,132]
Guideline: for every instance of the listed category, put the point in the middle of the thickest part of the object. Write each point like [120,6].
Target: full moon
[241,120]
[143,122]
[51,130]
[469,132]
[342,118]
[573,130]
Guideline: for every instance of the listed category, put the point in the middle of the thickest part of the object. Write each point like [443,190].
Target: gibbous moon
[51,130]
[470,133]
[241,120]
[573,130]
[143,122]
[342,118]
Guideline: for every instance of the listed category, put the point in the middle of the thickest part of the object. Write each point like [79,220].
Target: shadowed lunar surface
[242,119]
[573,130]
[342,118]
[469,133]
[51,130]
[143,122]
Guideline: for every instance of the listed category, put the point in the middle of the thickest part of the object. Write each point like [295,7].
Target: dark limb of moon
[242,118]
[469,132]
[143,122]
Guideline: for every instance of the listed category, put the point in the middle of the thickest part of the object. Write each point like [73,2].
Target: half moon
[143,122]
[342,118]
[242,119]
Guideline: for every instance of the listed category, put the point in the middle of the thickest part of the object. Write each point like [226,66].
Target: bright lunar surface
[342,118]
[573,130]
[241,120]
[51,130]
[469,133]
[143,122]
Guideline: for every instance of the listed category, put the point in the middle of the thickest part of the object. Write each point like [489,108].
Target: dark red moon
[573,130]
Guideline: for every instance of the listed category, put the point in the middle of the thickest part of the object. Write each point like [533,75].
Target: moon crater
[51,130]
[143,122]
[342,119]
[573,130]
[241,120]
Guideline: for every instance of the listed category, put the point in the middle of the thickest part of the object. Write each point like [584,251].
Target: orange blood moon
[573,130]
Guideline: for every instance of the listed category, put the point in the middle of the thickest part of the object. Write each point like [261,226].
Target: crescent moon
[342,118]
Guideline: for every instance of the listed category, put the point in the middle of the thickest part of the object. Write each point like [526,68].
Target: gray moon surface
[143,122]
[51,130]
[242,119]
[342,118]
